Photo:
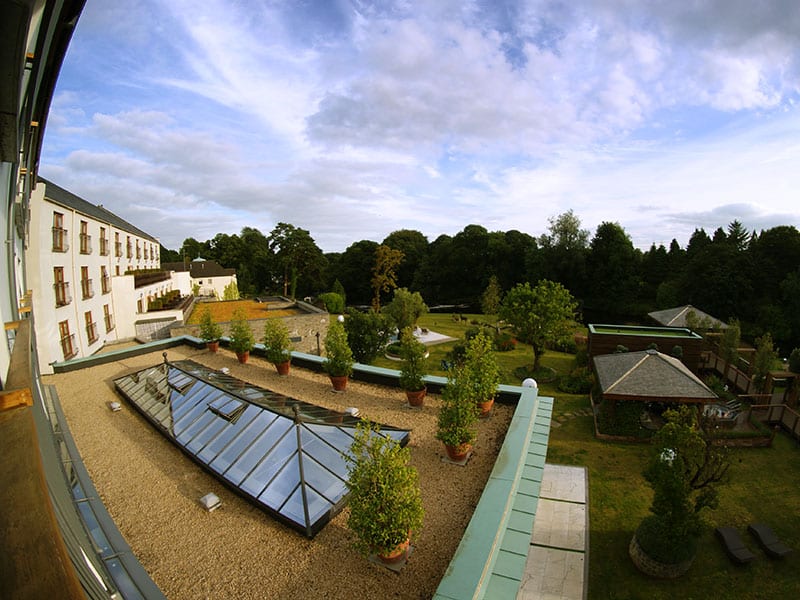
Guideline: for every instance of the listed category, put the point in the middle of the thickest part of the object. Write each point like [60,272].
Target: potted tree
[458,416]
[339,358]
[482,371]
[278,345]
[385,502]
[210,332]
[242,338]
[684,471]
[412,373]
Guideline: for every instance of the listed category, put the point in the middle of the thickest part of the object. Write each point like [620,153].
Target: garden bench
[768,540]
[734,546]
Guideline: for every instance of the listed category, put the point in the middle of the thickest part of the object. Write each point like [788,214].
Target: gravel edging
[151,489]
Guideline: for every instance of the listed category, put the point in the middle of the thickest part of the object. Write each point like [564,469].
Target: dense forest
[730,273]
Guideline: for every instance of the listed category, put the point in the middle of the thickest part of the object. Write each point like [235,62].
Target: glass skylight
[284,455]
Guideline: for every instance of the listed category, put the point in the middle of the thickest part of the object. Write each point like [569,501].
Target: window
[138,250]
[61,287]
[67,340]
[116,270]
[108,318]
[91,327]
[129,248]
[139,306]
[105,280]
[117,245]
[145,252]
[103,242]
[59,233]
[86,239]
[86,284]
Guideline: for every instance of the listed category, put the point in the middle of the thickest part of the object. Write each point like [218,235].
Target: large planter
[283,368]
[416,397]
[652,567]
[458,453]
[212,346]
[243,356]
[399,554]
[339,382]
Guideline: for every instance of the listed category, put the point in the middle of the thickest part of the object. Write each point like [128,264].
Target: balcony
[63,297]
[86,243]
[68,346]
[118,249]
[87,290]
[138,253]
[103,247]
[109,319]
[91,332]
[60,243]
[105,284]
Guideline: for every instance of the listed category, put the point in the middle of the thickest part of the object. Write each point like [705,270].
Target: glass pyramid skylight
[284,455]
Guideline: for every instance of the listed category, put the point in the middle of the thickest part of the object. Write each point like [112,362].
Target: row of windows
[61,241]
[68,346]
[61,286]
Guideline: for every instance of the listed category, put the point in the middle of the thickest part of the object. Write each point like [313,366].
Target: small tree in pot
[481,368]
[413,371]
[277,345]
[339,358]
[242,338]
[385,502]
[458,416]
[210,332]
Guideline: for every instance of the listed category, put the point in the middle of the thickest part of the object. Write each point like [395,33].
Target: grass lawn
[764,487]
[222,312]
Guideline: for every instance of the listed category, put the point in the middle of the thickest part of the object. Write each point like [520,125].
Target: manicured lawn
[222,312]
[764,487]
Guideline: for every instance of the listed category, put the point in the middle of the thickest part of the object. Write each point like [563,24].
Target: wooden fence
[779,415]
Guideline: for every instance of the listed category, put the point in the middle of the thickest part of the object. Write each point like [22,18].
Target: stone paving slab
[556,563]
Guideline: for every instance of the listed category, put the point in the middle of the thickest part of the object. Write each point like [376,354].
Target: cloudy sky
[352,119]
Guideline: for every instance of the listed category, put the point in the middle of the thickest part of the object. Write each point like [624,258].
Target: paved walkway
[558,562]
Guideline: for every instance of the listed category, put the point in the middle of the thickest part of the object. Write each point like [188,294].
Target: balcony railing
[91,332]
[105,283]
[109,319]
[86,243]
[60,243]
[103,247]
[63,297]
[87,289]
[118,249]
[138,253]
[68,346]
[130,251]
[143,279]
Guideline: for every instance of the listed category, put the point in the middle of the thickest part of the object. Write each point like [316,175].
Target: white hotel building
[77,262]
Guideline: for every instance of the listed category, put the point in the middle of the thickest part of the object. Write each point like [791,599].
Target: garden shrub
[334,303]
[505,342]
[794,361]
[625,421]
[579,381]
[367,334]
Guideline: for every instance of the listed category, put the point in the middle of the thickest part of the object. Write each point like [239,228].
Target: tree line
[751,276]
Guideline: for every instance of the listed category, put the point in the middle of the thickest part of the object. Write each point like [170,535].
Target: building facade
[92,275]
[207,277]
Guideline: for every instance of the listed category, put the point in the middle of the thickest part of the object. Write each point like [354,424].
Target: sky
[352,119]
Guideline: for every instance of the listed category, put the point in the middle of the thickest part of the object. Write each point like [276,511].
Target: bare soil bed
[152,490]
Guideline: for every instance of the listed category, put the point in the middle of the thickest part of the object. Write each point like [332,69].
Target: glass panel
[227,407]
[282,486]
[188,418]
[202,438]
[239,445]
[317,507]
[326,480]
[95,531]
[198,394]
[228,433]
[263,445]
[205,419]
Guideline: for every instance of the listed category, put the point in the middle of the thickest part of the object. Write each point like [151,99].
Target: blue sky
[352,119]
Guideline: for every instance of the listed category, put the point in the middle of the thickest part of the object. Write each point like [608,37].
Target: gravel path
[152,490]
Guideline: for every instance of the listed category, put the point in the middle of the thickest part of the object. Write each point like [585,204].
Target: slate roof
[59,195]
[649,375]
[199,269]
[676,317]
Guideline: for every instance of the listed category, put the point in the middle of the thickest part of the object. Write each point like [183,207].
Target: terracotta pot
[243,356]
[212,346]
[283,368]
[459,452]
[416,397]
[398,554]
[485,408]
[339,382]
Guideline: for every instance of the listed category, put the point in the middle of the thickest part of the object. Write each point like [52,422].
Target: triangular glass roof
[284,455]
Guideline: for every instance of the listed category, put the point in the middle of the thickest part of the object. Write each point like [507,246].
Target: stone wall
[302,330]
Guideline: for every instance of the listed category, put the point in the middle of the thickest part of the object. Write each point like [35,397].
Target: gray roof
[649,374]
[200,268]
[59,195]
[676,317]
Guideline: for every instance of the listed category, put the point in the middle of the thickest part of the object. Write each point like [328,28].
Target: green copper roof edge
[471,568]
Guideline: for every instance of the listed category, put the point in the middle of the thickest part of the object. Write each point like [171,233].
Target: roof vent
[652,351]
